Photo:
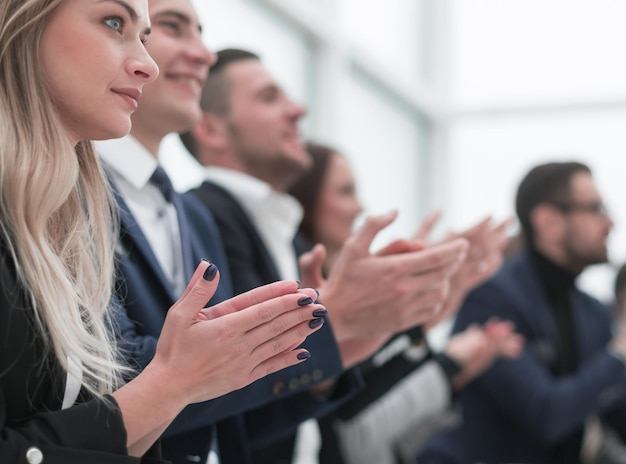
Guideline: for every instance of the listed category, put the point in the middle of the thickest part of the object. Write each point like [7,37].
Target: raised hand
[203,353]
[310,266]
[477,347]
[239,340]
[487,241]
[372,296]
[426,227]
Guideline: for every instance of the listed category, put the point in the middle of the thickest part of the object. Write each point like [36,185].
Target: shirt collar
[257,196]
[129,158]
[244,187]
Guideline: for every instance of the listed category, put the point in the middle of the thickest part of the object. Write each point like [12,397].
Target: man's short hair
[216,89]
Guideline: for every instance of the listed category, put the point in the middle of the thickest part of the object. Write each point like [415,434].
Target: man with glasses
[533,409]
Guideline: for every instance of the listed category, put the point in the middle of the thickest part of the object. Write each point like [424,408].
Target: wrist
[449,365]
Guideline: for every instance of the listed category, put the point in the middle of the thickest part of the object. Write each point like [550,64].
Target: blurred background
[445,104]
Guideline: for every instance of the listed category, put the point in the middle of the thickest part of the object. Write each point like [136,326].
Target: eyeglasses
[598,209]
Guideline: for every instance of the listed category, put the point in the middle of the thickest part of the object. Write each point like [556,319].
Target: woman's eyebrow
[131,11]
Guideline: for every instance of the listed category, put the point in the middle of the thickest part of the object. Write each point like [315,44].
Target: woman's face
[338,205]
[95,64]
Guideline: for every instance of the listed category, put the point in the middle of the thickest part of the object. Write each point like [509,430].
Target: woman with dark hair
[406,382]
[328,196]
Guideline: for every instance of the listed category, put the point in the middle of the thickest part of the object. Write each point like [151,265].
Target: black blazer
[32,384]
[251,266]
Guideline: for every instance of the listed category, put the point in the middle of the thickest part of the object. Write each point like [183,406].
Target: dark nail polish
[303,355]
[317,292]
[320,313]
[205,260]
[299,283]
[210,272]
[316,323]
[305,301]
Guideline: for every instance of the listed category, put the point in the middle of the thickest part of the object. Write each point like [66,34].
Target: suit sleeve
[524,389]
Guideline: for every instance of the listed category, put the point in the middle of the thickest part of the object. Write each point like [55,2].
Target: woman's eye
[114,23]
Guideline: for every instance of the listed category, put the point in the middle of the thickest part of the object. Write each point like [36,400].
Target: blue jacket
[518,411]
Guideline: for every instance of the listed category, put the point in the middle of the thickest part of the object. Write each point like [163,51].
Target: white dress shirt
[275,215]
[73,385]
[132,166]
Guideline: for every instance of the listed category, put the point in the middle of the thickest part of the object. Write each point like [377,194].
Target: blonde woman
[70,71]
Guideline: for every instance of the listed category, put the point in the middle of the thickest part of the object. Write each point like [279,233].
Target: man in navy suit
[533,409]
[249,140]
[164,235]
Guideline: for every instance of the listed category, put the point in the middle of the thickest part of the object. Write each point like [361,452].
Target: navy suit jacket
[518,411]
[146,295]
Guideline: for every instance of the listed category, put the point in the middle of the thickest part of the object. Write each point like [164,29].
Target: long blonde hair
[55,207]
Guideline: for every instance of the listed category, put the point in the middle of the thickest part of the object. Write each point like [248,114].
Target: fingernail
[316,323]
[299,283]
[317,292]
[303,355]
[305,301]
[210,272]
[320,313]
[205,260]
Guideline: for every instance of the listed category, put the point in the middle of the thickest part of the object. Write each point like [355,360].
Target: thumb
[310,265]
[427,225]
[360,242]
[199,291]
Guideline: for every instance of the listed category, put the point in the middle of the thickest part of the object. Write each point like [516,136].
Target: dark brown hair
[216,89]
[308,188]
[545,183]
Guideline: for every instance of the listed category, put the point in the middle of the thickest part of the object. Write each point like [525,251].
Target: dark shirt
[558,284]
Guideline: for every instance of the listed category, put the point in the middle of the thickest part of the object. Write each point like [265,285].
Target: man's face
[263,126]
[171,103]
[587,225]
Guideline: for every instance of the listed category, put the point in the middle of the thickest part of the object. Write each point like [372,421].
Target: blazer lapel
[133,241]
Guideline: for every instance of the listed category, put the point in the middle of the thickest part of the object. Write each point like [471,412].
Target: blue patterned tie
[161,180]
